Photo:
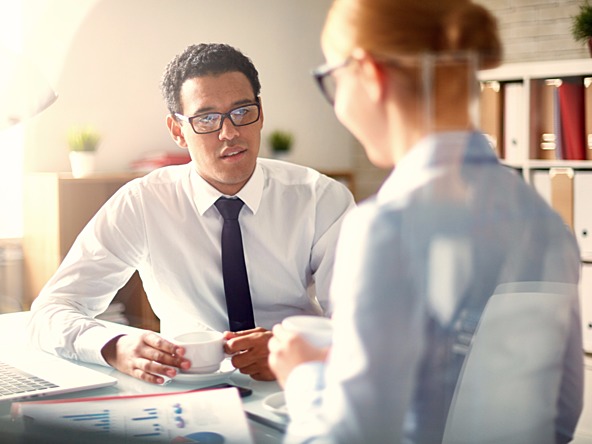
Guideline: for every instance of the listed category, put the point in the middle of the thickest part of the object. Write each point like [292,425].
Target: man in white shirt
[166,226]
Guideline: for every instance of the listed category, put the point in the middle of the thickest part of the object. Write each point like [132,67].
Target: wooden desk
[56,208]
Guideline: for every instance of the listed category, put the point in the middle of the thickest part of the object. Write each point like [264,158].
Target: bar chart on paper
[143,424]
[212,416]
[100,421]
[147,425]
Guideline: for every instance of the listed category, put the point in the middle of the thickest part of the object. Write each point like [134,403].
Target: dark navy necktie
[234,271]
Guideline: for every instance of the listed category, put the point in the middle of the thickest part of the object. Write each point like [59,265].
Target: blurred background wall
[105,59]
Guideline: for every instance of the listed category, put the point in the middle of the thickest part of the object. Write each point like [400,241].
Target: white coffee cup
[315,329]
[205,350]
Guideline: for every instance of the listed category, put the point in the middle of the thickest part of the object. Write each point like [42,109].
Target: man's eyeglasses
[211,122]
[325,80]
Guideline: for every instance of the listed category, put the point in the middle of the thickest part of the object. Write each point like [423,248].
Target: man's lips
[232,152]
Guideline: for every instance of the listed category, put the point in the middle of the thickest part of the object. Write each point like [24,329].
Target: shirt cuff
[92,341]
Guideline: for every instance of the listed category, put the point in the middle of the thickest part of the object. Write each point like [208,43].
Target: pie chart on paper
[200,437]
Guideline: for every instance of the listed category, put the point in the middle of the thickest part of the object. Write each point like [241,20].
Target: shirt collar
[430,155]
[206,195]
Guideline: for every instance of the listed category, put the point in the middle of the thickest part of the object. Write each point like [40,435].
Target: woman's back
[450,228]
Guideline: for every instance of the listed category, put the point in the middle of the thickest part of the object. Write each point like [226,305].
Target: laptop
[27,374]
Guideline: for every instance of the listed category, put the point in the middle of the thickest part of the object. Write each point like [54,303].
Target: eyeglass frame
[399,60]
[223,116]
[325,70]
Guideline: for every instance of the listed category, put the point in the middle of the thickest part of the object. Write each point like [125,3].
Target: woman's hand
[288,350]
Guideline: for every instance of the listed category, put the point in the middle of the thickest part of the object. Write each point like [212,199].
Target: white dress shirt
[165,225]
[415,267]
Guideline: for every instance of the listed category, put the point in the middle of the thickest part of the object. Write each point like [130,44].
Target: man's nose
[228,130]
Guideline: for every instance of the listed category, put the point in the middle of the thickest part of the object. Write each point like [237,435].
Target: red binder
[573,124]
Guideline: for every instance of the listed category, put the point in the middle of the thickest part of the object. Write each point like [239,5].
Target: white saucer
[226,369]
[276,403]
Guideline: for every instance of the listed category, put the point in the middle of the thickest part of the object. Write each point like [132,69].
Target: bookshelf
[521,111]
[528,108]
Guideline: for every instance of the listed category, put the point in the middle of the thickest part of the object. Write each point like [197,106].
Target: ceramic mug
[315,329]
[205,350]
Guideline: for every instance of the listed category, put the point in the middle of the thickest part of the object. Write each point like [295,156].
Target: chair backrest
[508,387]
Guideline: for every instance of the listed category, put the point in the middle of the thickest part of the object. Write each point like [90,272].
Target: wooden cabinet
[56,208]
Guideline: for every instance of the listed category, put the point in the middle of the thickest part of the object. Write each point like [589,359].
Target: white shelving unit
[524,73]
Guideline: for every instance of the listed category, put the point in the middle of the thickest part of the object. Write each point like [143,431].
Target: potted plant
[83,143]
[280,143]
[581,27]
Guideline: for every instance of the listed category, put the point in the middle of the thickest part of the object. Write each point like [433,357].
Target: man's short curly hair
[203,60]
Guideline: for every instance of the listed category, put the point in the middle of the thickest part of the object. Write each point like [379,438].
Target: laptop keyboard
[13,381]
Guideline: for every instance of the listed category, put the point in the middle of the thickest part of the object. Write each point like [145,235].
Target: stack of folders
[568,191]
[560,120]
[563,124]
[501,119]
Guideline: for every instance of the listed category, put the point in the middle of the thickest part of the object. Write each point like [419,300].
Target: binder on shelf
[562,190]
[490,113]
[546,119]
[572,117]
[588,115]
[559,140]
[513,106]
[583,212]
[541,182]
[586,306]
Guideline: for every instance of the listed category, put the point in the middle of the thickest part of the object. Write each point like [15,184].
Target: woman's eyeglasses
[326,81]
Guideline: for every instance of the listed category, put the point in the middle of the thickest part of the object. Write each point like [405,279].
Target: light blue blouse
[455,258]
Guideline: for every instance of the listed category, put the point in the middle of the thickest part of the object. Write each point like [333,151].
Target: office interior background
[105,58]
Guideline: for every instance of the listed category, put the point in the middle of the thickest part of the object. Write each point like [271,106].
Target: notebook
[26,374]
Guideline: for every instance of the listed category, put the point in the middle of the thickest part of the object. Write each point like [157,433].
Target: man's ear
[175,129]
[261,106]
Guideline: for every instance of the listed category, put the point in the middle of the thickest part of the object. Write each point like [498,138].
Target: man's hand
[288,350]
[146,356]
[250,351]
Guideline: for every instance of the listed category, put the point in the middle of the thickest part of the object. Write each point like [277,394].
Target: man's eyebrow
[237,103]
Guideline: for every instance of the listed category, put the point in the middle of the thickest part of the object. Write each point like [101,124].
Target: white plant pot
[280,155]
[82,163]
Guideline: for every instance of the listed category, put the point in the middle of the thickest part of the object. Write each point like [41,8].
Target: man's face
[226,159]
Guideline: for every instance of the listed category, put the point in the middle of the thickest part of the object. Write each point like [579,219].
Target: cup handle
[227,355]
[167,380]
